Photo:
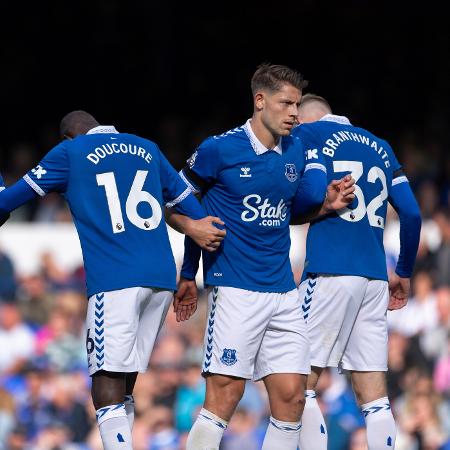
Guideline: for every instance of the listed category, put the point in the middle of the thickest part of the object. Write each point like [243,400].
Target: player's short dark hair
[77,122]
[307,98]
[271,77]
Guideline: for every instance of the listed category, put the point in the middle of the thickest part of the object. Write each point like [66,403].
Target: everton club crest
[291,172]
[229,356]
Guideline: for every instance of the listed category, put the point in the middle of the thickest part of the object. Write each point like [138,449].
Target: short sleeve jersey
[350,242]
[116,185]
[252,192]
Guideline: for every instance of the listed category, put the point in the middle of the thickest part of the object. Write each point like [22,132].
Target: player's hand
[205,233]
[340,193]
[185,299]
[398,292]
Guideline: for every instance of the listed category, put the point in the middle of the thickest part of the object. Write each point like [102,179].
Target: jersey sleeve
[314,159]
[312,189]
[52,173]
[311,192]
[202,167]
[402,199]
[175,192]
[14,196]
[191,259]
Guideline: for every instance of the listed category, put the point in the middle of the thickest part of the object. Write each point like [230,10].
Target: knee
[292,398]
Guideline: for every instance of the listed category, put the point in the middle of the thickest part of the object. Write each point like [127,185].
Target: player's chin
[285,131]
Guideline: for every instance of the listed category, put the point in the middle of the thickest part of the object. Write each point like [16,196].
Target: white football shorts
[346,320]
[254,334]
[122,327]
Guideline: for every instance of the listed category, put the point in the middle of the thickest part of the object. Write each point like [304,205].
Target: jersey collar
[103,129]
[338,119]
[258,147]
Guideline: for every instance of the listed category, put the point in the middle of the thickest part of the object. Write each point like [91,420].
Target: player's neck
[264,135]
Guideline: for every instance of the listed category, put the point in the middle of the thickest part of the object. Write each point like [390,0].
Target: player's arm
[51,174]
[340,193]
[14,196]
[202,231]
[184,211]
[199,175]
[314,198]
[402,199]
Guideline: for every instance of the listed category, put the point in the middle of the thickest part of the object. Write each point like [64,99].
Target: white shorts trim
[122,327]
[254,334]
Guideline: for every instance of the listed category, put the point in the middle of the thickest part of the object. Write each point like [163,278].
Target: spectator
[7,422]
[16,340]
[420,313]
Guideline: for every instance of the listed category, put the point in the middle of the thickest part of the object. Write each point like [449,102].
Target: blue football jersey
[116,186]
[252,190]
[350,242]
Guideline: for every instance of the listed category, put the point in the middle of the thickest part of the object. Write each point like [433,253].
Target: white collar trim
[103,129]
[338,119]
[258,147]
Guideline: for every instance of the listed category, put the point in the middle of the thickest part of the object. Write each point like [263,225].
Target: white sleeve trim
[189,184]
[2,188]
[34,186]
[399,180]
[315,166]
[180,198]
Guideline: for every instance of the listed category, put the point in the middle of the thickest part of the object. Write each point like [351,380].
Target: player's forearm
[16,195]
[189,206]
[404,202]
[177,221]
[410,225]
[310,196]
[191,260]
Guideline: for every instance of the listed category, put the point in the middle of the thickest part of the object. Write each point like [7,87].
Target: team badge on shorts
[229,356]
[291,172]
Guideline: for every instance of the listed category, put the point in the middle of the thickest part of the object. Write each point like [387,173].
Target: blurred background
[176,74]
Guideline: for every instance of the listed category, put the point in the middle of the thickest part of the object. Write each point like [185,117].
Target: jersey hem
[275,290]
[371,275]
[146,284]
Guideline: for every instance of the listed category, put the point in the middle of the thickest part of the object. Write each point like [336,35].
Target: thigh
[285,345]
[237,320]
[113,324]
[154,304]
[111,330]
[334,304]
[367,346]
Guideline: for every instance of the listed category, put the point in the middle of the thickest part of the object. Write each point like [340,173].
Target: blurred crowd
[45,391]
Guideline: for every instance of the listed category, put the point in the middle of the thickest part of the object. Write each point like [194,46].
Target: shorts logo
[229,356]
[291,172]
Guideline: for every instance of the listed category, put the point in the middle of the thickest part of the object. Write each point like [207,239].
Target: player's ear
[259,101]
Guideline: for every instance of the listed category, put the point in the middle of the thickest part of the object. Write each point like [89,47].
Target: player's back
[350,242]
[115,193]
